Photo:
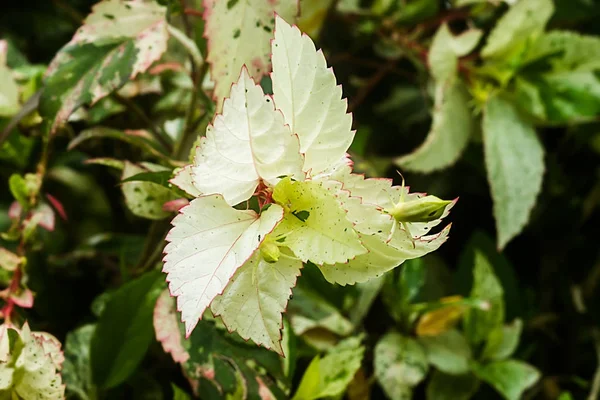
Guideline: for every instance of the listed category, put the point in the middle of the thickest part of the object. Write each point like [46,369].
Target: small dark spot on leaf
[109,16]
[236,33]
[301,215]
[231,3]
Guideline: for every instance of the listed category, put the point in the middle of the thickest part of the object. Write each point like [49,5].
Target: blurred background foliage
[84,273]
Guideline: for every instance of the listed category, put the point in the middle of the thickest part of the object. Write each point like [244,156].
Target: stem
[156,130]
[596,382]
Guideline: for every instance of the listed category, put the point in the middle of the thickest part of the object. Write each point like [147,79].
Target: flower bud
[269,251]
[426,209]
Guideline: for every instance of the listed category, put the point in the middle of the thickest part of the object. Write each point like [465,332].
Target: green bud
[269,251]
[426,209]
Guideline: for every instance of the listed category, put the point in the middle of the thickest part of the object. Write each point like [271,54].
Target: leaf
[138,138]
[159,177]
[312,16]
[514,159]
[451,387]
[443,318]
[117,41]
[453,124]
[525,19]
[9,260]
[166,328]
[566,51]
[449,352]
[76,371]
[9,94]
[245,144]
[145,199]
[179,394]
[510,378]
[478,324]
[255,298]
[220,366]
[325,236]
[446,49]
[209,241]
[124,330]
[503,341]
[305,90]
[329,376]
[16,149]
[239,33]
[400,364]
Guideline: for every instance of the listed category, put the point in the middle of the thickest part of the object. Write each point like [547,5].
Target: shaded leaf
[514,160]
[451,387]
[510,378]
[145,198]
[449,352]
[503,341]
[76,371]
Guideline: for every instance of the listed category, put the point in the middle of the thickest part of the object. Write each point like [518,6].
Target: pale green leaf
[209,241]
[184,180]
[449,352]
[9,90]
[330,375]
[503,341]
[255,298]
[524,20]
[478,324]
[248,143]
[239,33]
[145,199]
[453,124]
[315,227]
[312,16]
[510,378]
[305,90]
[451,387]
[446,49]
[400,364]
[76,371]
[117,41]
[514,160]
[9,260]
[567,51]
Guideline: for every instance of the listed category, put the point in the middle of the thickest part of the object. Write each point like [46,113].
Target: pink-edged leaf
[166,328]
[239,33]
[57,206]
[209,241]
[247,144]
[253,302]
[9,260]
[175,205]
[305,90]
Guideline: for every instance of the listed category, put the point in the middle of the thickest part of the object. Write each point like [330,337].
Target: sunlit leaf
[209,241]
[305,90]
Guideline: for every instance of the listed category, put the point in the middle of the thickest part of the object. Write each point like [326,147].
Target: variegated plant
[285,156]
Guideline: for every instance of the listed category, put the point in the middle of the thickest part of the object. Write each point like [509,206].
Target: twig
[371,83]
[596,382]
[156,130]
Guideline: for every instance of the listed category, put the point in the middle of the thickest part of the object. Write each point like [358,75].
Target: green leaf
[239,33]
[478,324]
[124,330]
[566,51]
[412,279]
[446,49]
[117,41]
[400,364]
[524,20]
[453,124]
[326,236]
[329,376]
[503,341]
[510,378]
[451,387]
[449,352]
[16,149]
[24,188]
[76,371]
[179,394]
[145,199]
[138,138]
[159,177]
[514,160]
[219,366]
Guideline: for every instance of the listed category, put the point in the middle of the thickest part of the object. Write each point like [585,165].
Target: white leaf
[209,241]
[514,159]
[253,302]
[239,33]
[245,144]
[184,180]
[315,226]
[305,91]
